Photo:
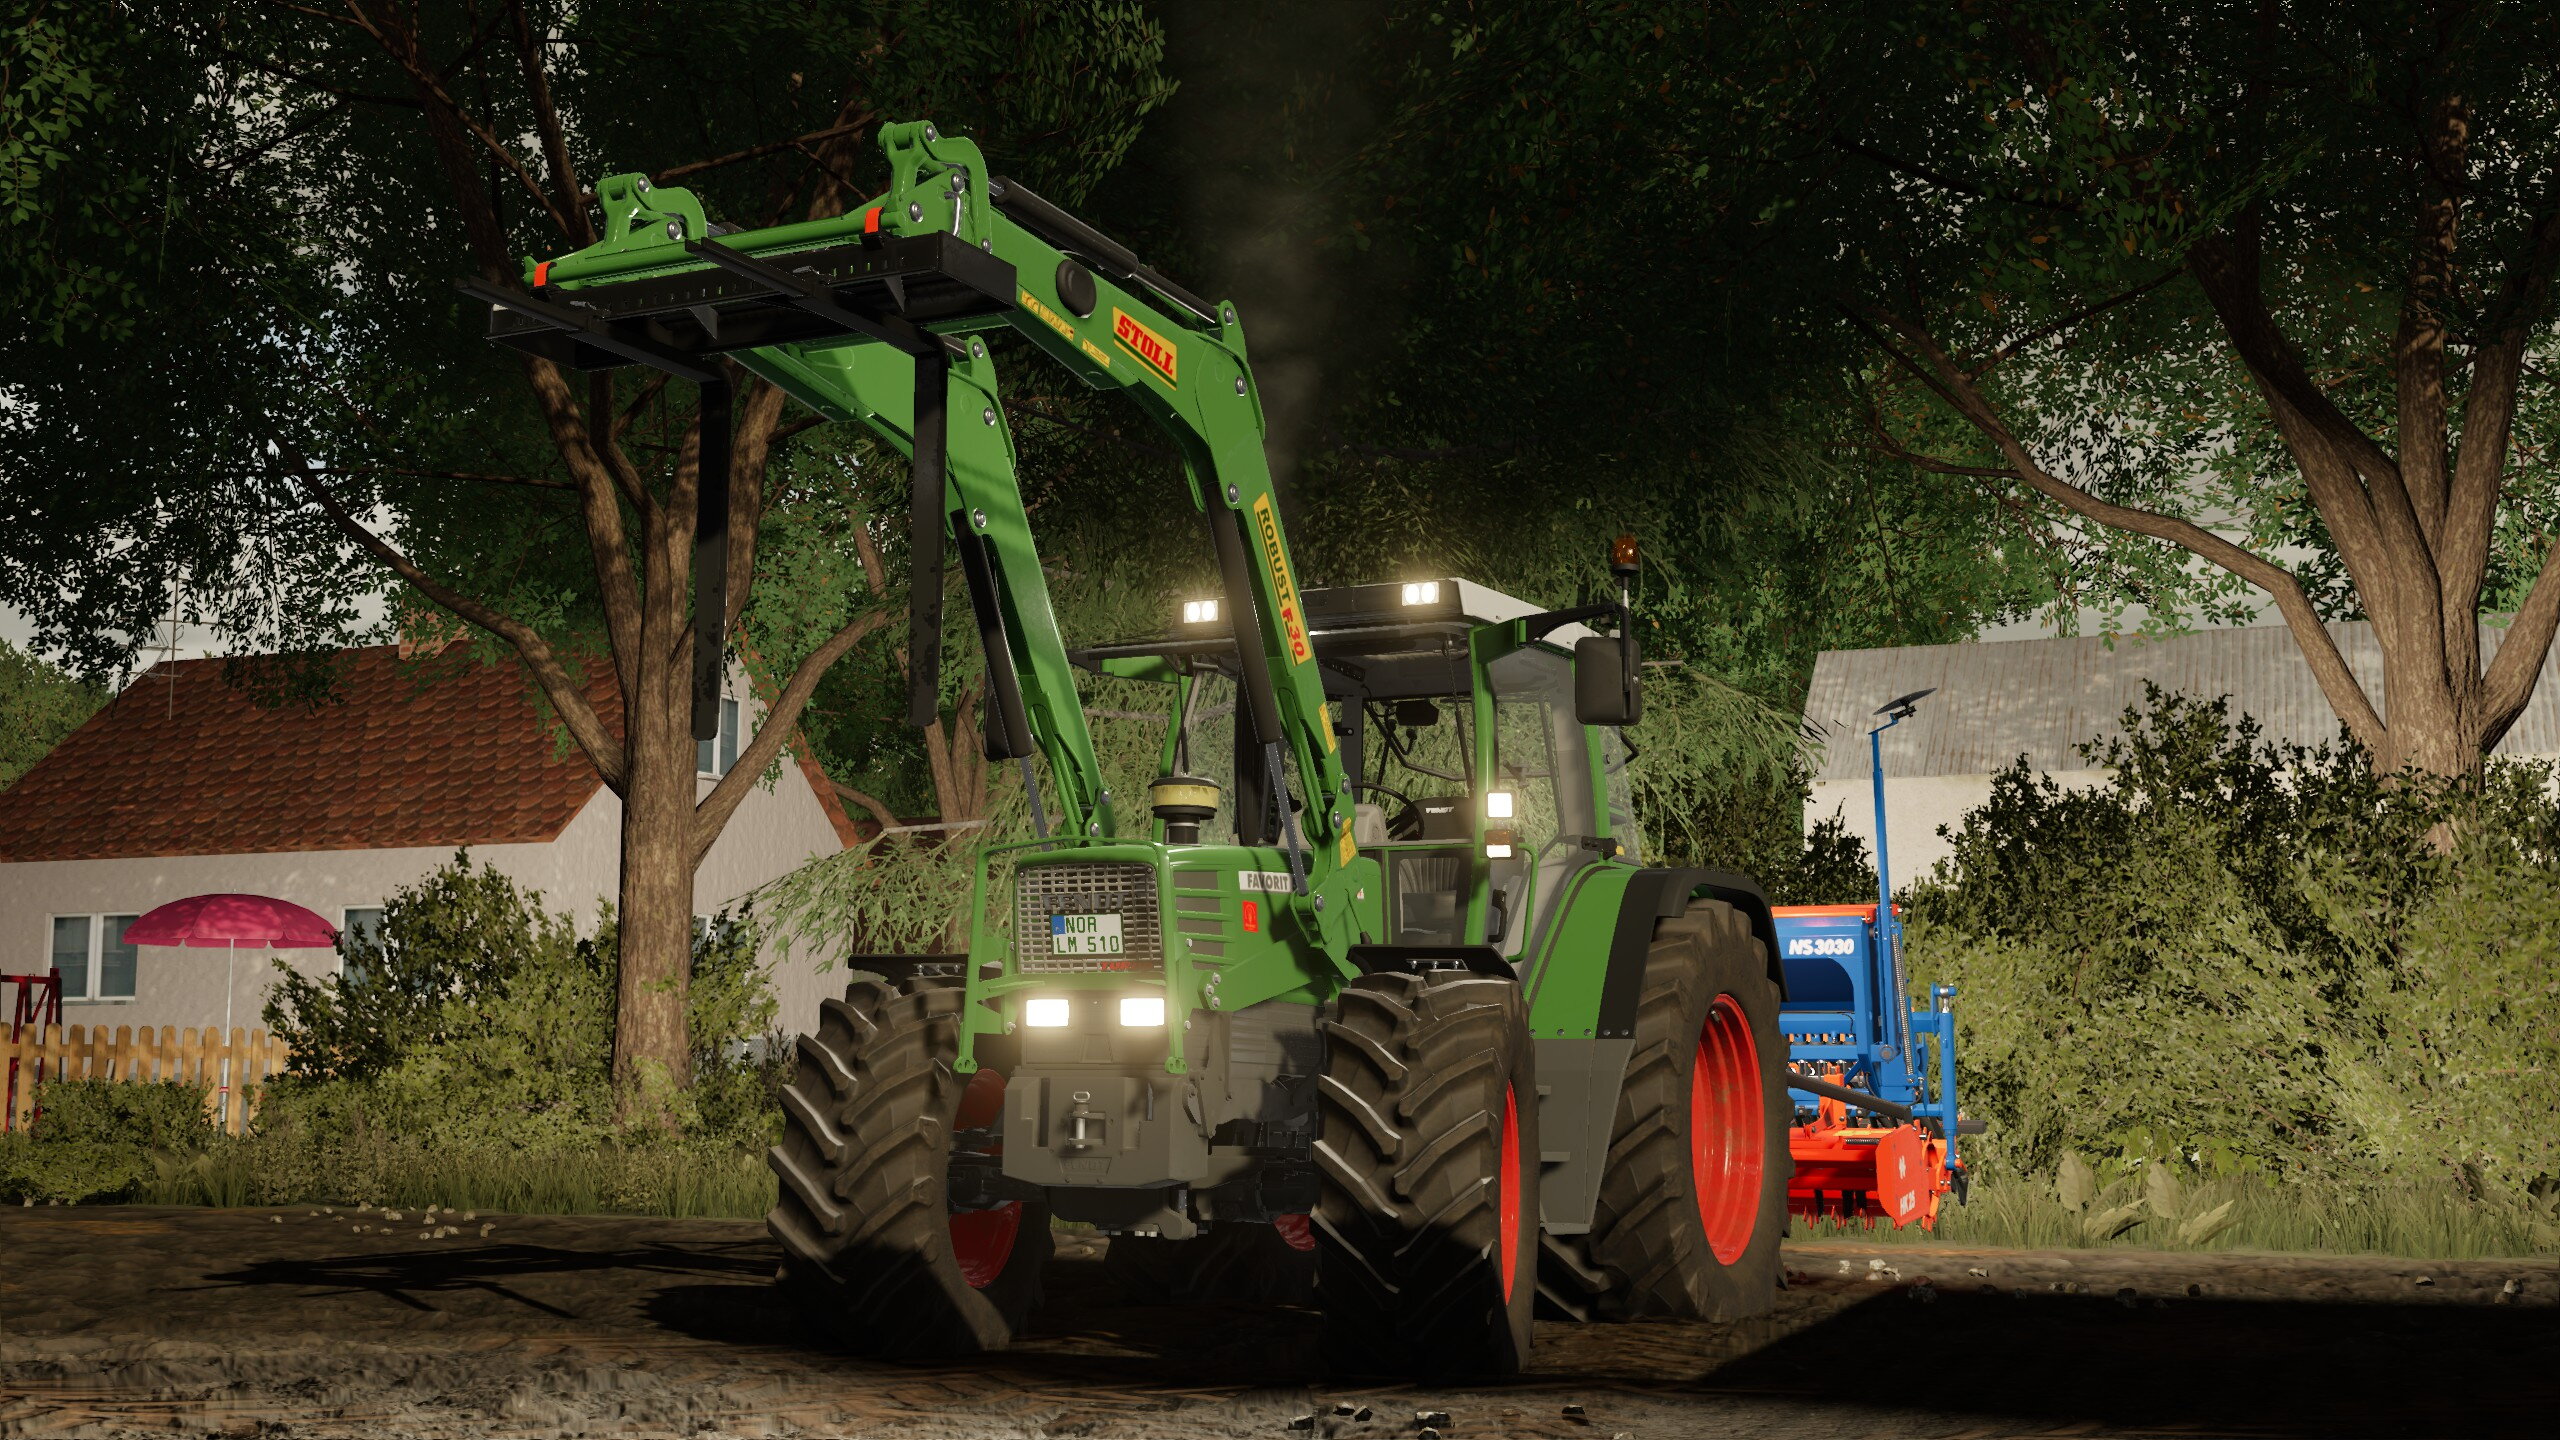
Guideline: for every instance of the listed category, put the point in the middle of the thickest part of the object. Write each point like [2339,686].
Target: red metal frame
[1872,1172]
[38,1003]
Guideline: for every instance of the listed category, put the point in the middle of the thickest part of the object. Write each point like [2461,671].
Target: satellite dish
[1902,706]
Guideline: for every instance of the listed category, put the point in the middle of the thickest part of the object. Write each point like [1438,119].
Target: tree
[317,393]
[38,706]
[1477,295]
[2206,300]
[2224,278]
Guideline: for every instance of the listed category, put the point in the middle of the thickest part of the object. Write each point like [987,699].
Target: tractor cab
[1476,785]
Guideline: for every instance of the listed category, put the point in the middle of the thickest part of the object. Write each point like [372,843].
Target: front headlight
[1142,1011]
[1047,1012]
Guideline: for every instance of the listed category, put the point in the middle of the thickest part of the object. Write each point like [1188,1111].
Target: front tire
[1694,1197]
[1426,1225]
[871,1246]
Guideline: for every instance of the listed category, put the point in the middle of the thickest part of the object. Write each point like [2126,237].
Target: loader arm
[873,316]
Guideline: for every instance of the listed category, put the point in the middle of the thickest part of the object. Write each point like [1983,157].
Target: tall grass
[2410,1222]
[678,1182]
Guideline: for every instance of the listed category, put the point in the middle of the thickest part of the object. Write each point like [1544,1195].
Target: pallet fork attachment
[945,253]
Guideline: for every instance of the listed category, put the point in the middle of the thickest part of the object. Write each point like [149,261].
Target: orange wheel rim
[1727,1115]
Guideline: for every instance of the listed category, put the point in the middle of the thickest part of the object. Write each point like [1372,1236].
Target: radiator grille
[1087,888]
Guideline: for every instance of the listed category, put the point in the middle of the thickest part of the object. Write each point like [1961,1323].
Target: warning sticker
[1048,317]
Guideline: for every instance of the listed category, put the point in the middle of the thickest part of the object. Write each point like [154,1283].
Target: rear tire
[1694,1197]
[1426,1225]
[870,1245]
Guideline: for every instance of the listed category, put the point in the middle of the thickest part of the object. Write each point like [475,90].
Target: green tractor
[1379,980]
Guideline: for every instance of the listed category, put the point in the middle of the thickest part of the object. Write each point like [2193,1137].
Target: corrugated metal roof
[2040,698]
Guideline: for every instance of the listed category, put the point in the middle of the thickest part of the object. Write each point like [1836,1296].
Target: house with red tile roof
[184,785]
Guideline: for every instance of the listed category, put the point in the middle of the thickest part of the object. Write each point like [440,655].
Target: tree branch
[2418,342]
[473,476]
[2349,475]
[781,718]
[566,695]
[867,801]
[626,477]
[608,543]
[555,137]
[1940,178]
[269,67]
[2509,682]
[401,46]
[1041,413]
[2489,411]
[751,449]
[2086,312]
[753,152]
[2318,647]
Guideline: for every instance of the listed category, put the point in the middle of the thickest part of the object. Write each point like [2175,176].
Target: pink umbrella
[230,922]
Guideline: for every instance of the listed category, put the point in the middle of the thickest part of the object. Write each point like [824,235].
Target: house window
[357,923]
[90,952]
[719,757]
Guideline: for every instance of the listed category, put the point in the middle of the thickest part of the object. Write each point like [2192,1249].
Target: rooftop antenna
[169,650]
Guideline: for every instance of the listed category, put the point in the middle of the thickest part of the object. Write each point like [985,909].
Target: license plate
[1084,934]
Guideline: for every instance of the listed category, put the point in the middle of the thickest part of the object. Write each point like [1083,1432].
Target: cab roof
[1399,640]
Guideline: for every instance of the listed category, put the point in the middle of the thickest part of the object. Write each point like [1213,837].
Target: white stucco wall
[773,831]
[185,987]
[1915,806]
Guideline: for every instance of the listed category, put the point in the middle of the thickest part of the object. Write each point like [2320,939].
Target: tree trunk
[652,1057]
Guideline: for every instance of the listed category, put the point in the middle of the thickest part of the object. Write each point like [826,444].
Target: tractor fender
[1671,892]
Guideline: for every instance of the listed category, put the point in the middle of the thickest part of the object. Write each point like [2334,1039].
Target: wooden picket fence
[188,1057]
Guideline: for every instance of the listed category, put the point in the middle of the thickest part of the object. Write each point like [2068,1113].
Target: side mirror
[1607,686]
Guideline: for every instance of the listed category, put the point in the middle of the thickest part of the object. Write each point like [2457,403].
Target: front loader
[1378,974]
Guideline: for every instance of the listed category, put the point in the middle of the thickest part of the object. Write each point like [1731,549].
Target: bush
[443,962]
[1754,823]
[462,1057]
[97,1140]
[165,1116]
[476,1017]
[70,1172]
[2240,957]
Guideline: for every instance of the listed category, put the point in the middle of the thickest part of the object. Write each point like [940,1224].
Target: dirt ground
[128,1321]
